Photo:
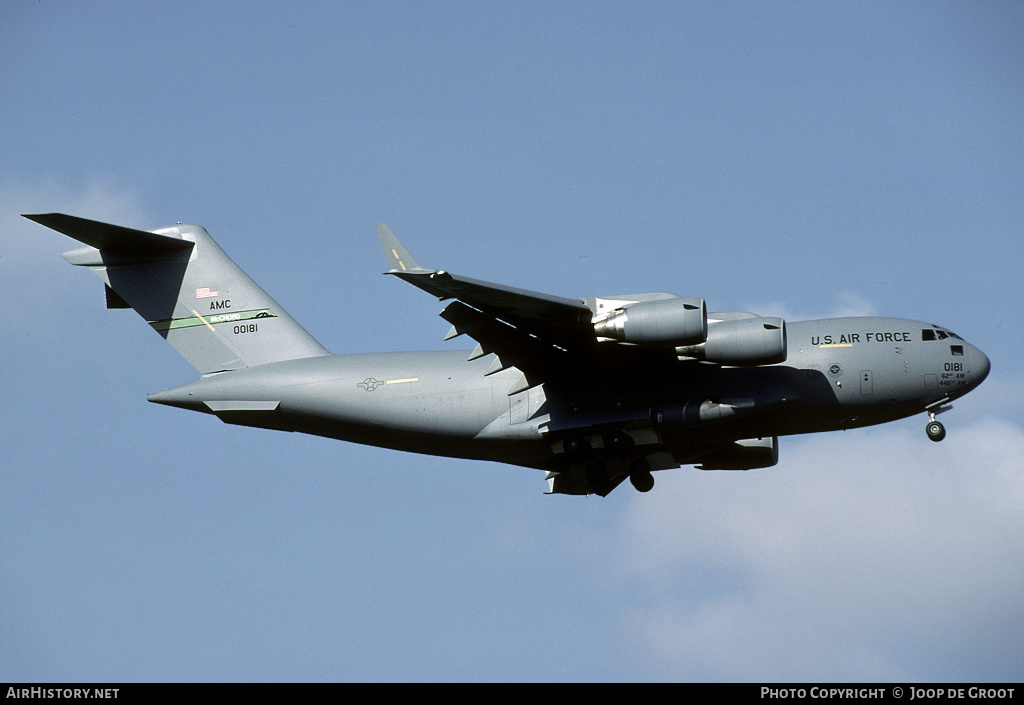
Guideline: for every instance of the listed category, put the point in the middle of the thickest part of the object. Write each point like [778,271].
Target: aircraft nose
[980,366]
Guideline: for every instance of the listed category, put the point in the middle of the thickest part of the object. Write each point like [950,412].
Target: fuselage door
[866,386]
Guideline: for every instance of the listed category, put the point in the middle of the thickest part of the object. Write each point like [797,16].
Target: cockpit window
[937,334]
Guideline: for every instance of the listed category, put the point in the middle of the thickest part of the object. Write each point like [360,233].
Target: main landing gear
[615,459]
[640,475]
[642,480]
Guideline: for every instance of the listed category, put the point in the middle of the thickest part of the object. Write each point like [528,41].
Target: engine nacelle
[747,454]
[746,341]
[673,322]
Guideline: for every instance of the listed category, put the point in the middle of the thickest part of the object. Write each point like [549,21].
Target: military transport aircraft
[590,390]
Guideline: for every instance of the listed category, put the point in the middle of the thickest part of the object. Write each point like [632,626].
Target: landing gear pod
[747,454]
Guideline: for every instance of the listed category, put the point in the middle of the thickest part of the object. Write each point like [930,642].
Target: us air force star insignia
[369,384]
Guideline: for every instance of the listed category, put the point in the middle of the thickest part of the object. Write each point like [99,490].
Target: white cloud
[98,200]
[852,304]
[858,554]
[849,303]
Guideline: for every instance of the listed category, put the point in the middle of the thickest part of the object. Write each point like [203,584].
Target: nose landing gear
[935,430]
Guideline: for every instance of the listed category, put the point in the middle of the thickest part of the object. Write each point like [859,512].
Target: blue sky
[789,158]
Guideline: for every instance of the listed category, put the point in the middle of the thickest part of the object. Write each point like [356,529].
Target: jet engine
[675,321]
[746,454]
[744,341]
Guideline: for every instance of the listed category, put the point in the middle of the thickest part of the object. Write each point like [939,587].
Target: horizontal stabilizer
[112,238]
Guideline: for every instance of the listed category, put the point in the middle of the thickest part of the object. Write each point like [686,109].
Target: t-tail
[189,291]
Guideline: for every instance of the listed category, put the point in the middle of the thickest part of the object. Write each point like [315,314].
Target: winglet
[398,258]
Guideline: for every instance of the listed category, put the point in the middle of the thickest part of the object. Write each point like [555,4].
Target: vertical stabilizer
[189,291]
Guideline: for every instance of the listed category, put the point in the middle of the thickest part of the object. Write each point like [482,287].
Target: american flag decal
[204,292]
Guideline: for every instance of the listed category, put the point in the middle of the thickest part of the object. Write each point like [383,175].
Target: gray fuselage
[839,373]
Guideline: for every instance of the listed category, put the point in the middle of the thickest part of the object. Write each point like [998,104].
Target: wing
[632,378]
[533,332]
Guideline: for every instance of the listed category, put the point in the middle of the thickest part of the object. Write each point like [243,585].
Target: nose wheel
[935,430]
